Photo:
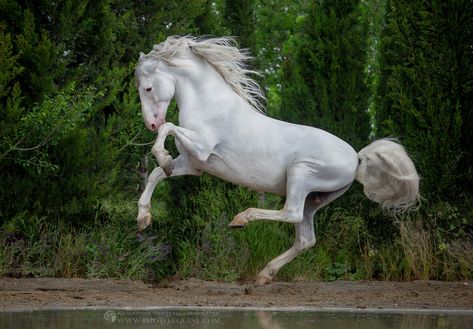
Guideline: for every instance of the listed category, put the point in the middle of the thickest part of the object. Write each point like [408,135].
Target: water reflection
[210,319]
[285,320]
[265,320]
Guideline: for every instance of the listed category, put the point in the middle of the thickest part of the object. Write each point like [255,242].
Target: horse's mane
[223,54]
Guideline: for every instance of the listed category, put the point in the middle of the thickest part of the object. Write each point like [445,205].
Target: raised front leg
[182,167]
[194,144]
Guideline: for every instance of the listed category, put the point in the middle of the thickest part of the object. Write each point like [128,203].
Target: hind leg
[301,180]
[305,236]
[297,189]
[305,239]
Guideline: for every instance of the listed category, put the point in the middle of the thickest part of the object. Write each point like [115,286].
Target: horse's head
[196,61]
[156,87]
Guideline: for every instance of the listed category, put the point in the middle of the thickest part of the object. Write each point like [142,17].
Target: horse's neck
[204,95]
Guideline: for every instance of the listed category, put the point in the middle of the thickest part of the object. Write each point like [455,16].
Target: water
[232,319]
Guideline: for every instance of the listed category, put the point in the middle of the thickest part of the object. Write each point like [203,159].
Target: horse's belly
[257,175]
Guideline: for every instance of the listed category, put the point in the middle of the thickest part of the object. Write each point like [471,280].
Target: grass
[112,248]
[193,240]
[416,243]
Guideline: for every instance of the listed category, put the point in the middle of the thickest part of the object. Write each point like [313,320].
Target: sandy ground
[53,292]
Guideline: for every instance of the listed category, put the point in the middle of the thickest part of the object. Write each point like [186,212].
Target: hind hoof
[238,221]
[144,222]
[261,280]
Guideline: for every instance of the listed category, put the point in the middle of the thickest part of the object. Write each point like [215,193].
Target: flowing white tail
[388,176]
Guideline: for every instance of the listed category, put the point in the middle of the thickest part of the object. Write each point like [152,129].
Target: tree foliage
[74,153]
[69,111]
[324,72]
[425,90]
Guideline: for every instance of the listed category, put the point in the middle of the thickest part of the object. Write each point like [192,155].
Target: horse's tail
[389,176]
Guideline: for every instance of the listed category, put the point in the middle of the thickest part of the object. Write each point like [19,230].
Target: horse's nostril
[153,126]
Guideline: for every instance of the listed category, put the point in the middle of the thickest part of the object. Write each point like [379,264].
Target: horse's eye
[148,89]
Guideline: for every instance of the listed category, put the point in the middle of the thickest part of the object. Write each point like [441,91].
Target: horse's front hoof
[261,280]
[144,222]
[239,221]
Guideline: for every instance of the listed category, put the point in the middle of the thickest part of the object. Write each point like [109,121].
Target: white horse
[223,131]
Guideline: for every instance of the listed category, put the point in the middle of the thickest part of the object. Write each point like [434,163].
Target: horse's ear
[149,67]
[141,54]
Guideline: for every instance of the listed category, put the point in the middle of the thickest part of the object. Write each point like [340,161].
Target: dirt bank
[20,293]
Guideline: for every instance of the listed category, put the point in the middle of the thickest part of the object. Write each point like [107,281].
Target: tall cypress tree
[239,17]
[324,74]
[425,91]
